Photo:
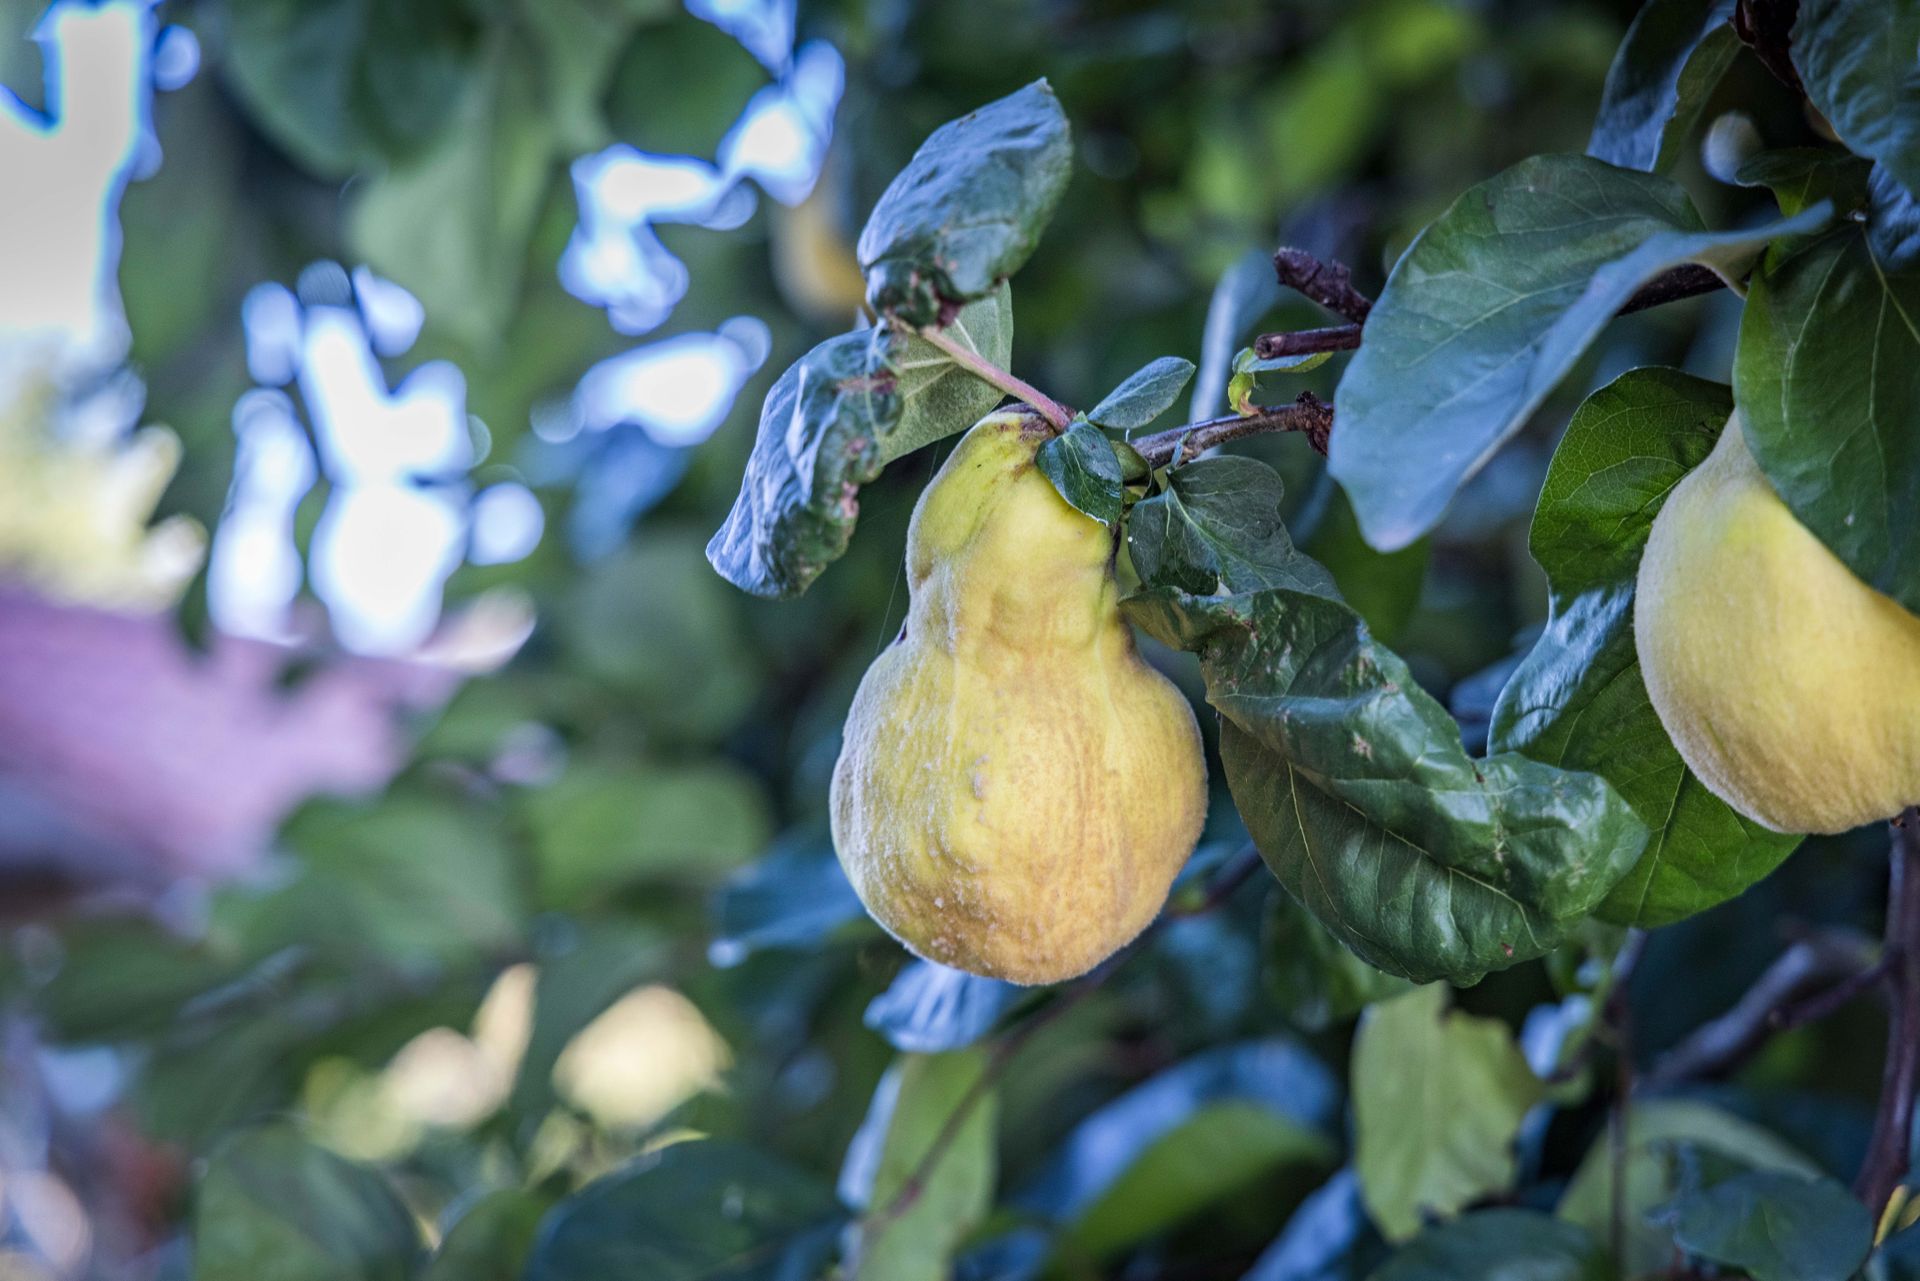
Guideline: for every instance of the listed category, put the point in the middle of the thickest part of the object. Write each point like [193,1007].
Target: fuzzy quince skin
[1791,688]
[1016,789]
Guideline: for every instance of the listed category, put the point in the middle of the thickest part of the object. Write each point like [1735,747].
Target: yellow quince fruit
[1016,789]
[1791,688]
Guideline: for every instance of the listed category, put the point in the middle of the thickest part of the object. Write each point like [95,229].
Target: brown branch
[1686,281]
[1766,27]
[1308,413]
[1306,342]
[1887,1152]
[1328,283]
[1219,890]
[1810,980]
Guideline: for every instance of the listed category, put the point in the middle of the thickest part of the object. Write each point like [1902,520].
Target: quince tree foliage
[1226,896]
[1640,765]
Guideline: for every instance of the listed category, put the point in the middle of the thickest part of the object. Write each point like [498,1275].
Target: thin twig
[1798,986]
[1328,283]
[1306,342]
[1219,890]
[1053,411]
[1887,1152]
[1686,281]
[1308,413]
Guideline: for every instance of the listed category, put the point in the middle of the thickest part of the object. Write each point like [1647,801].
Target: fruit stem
[1887,1153]
[1056,414]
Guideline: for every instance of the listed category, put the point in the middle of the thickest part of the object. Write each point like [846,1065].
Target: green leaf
[606,825]
[1216,527]
[969,207]
[1674,54]
[1857,60]
[340,83]
[1383,587]
[354,897]
[703,1210]
[1823,375]
[1083,467]
[1488,310]
[937,396]
[1804,176]
[910,1111]
[631,619]
[1438,1097]
[272,1204]
[580,43]
[1147,393]
[1244,386]
[1511,1245]
[1775,1226]
[1577,700]
[1317,982]
[1657,1132]
[1352,780]
[1221,1150]
[490,1240]
[821,437]
[453,223]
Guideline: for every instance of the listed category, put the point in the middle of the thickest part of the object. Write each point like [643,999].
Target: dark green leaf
[821,437]
[911,1109]
[1778,1227]
[1383,587]
[1674,54]
[1216,527]
[1577,700]
[272,1204]
[1823,375]
[1803,176]
[1658,1133]
[969,207]
[1147,393]
[1857,59]
[1083,467]
[703,1210]
[1438,1097]
[1511,1245]
[1489,309]
[1316,981]
[490,1240]
[937,396]
[1352,779]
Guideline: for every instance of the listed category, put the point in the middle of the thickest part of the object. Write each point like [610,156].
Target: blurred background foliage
[589,905]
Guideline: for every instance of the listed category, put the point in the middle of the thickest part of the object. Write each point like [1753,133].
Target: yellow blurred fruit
[1017,789]
[814,262]
[1791,688]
